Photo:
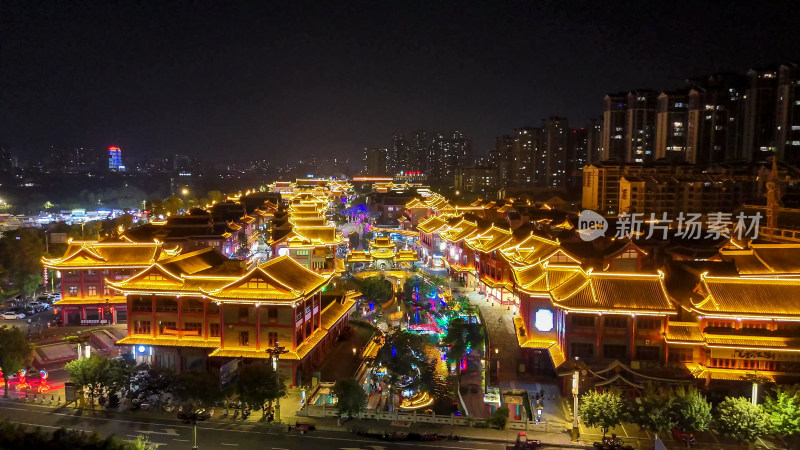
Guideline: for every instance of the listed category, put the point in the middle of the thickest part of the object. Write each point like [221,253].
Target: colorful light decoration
[43,386]
[22,382]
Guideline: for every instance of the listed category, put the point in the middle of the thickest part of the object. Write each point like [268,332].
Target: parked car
[34,305]
[11,315]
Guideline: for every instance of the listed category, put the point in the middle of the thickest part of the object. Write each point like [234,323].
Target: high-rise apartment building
[502,159]
[595,151]
[551,166]
[640,120]
[526,145]
[448,153]
[422,147]
[672,119]
[614,128]
[577,155]
[759,113]
[401,156]
[714,132]
[787,114]
[375,161]
[115,159]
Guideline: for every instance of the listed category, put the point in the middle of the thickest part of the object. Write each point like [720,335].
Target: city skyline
[159,80]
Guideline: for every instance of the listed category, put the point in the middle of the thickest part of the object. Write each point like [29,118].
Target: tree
[375,288]
[355,239]
[21,254]
[172,205]
[151,383]
[31,283]
[691,411]
[198,387]
[602,409]
[461,336]
[14,353]
[91,374]
[350,397]
[499,417]
[258,386]
[654,410]
[739,418]
[784,411]
[214,196]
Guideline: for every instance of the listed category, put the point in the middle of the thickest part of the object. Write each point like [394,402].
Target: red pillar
[179,325]
[205,319]
[633,338]
[599,337]
[221,327]
[258,328]
[155,323]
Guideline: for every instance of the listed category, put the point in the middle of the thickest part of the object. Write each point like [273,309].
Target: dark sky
[291,79]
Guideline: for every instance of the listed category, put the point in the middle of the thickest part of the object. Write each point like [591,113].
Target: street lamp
[275,354]
[195,416]
[576,381]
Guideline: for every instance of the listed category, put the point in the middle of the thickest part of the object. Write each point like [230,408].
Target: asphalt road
[174,434]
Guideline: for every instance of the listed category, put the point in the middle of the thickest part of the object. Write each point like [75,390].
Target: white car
[12,315]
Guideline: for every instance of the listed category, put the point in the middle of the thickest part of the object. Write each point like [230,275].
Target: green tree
[461,336]
[375,288]
[350,397]
[14,353]
[691,411]
[654,410]
[739,418]
[172,204]
[215,196]
[258,386]
[152,383]
[784,411]
[31,283]
[21,254]
[89,374]
[499,418]
[604,410]
[198,387]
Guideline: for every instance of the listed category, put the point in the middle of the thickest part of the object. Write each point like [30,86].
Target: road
[174,434]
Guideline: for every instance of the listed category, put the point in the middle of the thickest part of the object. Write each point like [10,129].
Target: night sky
[293,79]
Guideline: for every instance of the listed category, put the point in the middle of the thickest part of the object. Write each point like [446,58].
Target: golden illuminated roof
[743,342]
[359,256]
[382,253]
[416,203]
[463,229]
[106,255]
[748,296]
[170,341]
[494,284]
[683,333]
[381,242]
[532,250]
[490,240]
[406,255]
[431,224]
[573,289]
[305,214]
[765,259]
[113,300]
[321,235]
[308,221]
[277,280]
[701,371]
[531,279]
[157,279]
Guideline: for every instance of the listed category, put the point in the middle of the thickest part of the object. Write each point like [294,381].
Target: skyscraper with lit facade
[115,159]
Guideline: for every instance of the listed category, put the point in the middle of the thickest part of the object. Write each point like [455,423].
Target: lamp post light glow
[576,380]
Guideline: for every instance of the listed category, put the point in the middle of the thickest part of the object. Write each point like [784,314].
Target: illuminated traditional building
[206,318]
[383,255]
[85,268]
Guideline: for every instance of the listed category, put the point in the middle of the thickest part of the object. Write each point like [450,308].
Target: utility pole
[275,354]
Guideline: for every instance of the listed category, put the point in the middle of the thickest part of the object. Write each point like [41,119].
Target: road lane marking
[181,440]
[137,422]
[231,445]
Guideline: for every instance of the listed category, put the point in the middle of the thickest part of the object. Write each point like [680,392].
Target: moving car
[10,315]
